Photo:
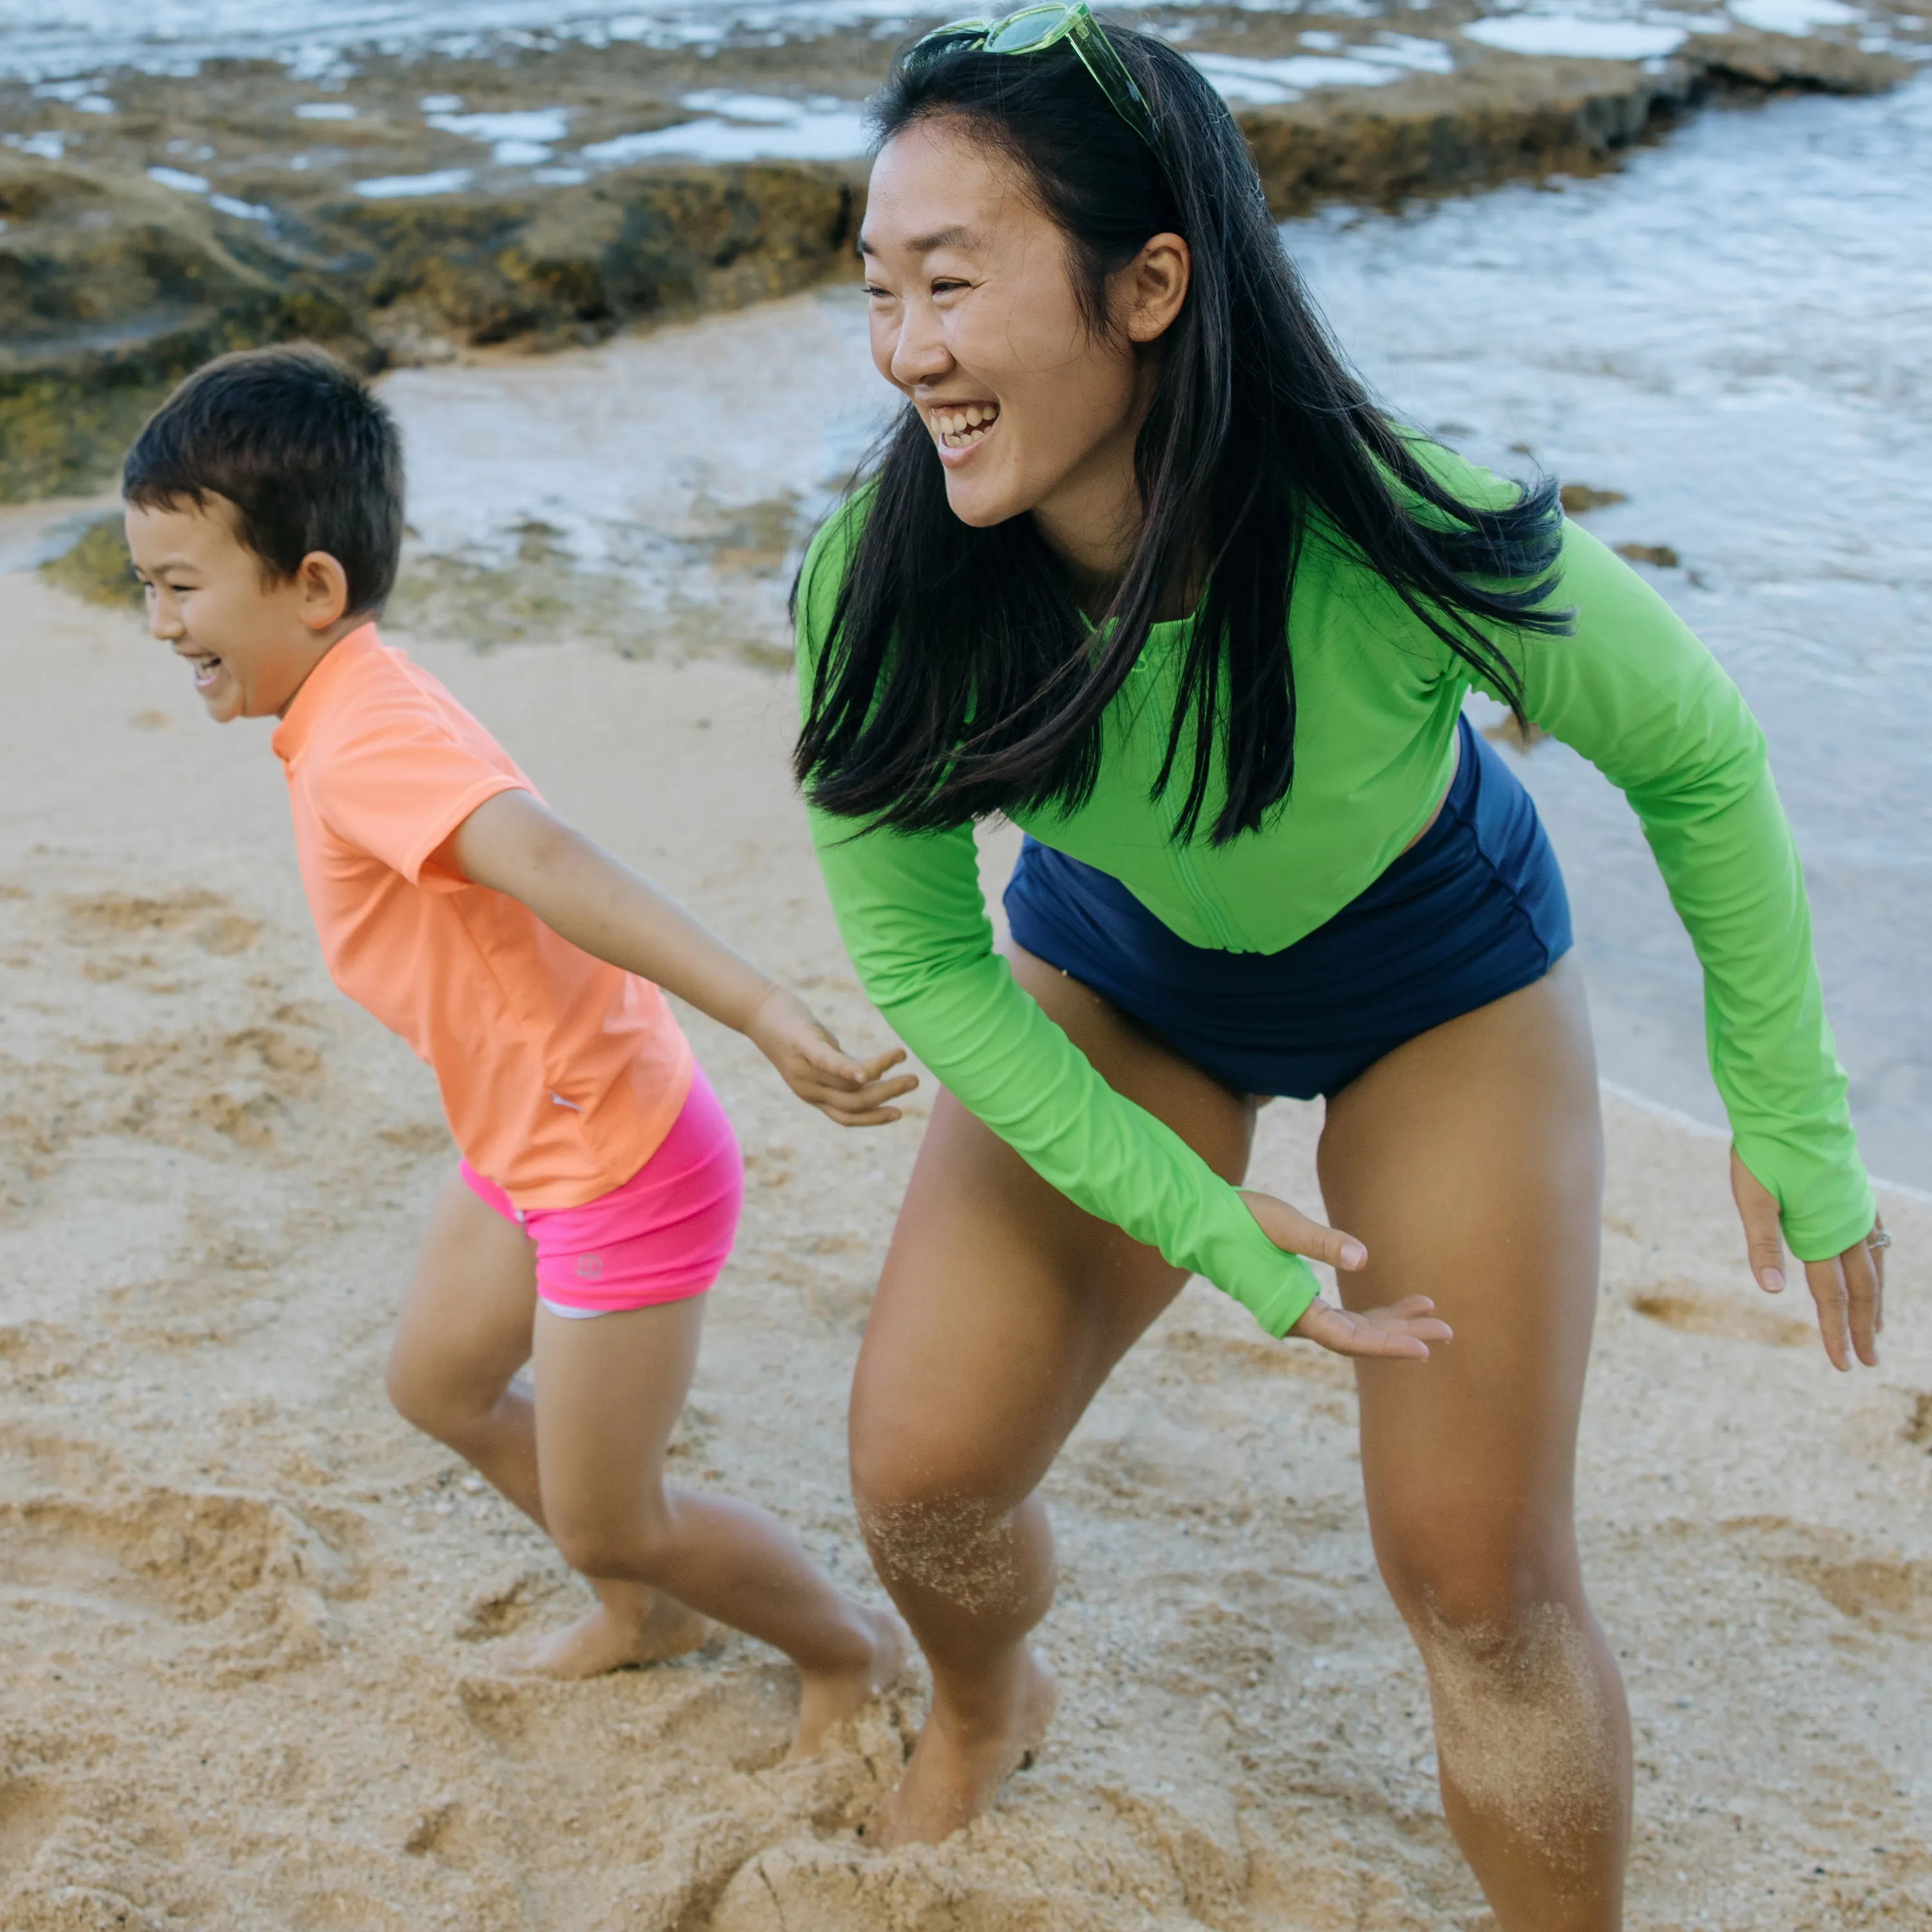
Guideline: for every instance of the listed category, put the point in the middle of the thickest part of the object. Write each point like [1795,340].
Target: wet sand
[252,1622]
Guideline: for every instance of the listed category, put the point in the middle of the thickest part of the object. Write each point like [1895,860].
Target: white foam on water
[1577,36]
[397,187]
[325,110]
[519,138]
[180,180]
[1244,82]
[1794,16]
[822,130]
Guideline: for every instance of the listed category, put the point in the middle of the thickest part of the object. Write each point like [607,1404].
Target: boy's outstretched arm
[515,845]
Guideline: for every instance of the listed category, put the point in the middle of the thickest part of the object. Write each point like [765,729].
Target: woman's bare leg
[1001,1310]
[1470,1161]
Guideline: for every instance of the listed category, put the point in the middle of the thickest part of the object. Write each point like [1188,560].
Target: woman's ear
[323,591]
[1152,287]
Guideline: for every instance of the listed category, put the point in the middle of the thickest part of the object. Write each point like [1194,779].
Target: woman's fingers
[1848,1289]
[1289,1228]
[1826,1280]
[1864,1298]
[1402,1332]
[1764,1239]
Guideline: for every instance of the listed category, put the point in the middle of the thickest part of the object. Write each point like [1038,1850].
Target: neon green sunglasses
[1032,31]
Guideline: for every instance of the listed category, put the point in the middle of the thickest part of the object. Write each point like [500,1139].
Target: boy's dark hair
[301,447]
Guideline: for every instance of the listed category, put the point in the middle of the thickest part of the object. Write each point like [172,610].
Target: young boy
[600,1183]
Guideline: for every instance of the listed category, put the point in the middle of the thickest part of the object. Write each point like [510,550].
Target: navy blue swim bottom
[1474,910]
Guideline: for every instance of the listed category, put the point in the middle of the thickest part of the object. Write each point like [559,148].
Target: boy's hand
[854,1093]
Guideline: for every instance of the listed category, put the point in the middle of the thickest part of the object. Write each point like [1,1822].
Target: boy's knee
[429,1401]
[411,1394]
[594,1545]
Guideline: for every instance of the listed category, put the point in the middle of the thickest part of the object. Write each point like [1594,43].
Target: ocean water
[1735,332]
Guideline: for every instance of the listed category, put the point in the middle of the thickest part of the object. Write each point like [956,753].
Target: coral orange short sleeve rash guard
[560,1074]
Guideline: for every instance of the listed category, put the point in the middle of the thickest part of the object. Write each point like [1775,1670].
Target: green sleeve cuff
[1274,1286]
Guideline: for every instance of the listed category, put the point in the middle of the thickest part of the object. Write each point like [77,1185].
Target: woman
[1142,568]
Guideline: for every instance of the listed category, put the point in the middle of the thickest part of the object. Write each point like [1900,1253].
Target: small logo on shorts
[589,1267]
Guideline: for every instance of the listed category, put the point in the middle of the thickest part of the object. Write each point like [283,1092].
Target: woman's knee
[1474,1588]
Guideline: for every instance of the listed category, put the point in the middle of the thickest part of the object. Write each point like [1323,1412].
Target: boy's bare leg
[662,1563]
[608,1394]
[464,1333]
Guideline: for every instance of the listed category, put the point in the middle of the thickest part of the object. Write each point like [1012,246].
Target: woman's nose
[919,352]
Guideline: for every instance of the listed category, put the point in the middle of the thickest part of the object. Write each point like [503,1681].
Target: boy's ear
[323,591]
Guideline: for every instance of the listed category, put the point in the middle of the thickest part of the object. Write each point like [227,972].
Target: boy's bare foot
[830,1696]
[609,1639]
[954,1775]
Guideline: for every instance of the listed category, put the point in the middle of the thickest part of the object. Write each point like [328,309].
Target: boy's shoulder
[369,690]
[374,715]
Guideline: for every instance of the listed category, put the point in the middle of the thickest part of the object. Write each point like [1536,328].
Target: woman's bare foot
[955,1772]
[612,1637]
[831,1696]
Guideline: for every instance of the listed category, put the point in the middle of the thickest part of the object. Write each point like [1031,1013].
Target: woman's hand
[854,1093]
[1402,1333]
[1848,1289]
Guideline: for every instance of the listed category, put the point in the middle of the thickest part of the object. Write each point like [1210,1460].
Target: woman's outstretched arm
[1638,696]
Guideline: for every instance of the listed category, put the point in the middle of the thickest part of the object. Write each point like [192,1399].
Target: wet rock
[96,569]
[1659,557]
[1579,499]
[110,290]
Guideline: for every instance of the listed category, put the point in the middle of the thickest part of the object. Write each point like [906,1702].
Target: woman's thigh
[1470,1161]
[1002,1307]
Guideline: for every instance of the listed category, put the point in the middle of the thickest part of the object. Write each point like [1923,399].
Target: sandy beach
[251,1620]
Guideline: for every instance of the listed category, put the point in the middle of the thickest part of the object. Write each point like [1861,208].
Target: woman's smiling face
[977,319]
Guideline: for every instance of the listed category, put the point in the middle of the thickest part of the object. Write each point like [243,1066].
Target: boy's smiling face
[251,638]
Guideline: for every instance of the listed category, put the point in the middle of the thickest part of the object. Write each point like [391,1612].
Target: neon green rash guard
[1378,696]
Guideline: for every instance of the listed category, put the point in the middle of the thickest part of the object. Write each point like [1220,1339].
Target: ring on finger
[1878,1240]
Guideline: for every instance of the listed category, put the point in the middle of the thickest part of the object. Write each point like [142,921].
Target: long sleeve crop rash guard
[1377,697]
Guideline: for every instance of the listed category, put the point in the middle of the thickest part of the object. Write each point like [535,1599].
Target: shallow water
[1736,332]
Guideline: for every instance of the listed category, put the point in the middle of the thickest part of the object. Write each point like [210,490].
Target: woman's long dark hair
[959,678]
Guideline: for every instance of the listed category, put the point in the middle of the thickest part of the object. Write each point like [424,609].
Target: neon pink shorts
[663,1236]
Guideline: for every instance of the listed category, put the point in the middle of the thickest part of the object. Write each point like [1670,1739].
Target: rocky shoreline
[438,208]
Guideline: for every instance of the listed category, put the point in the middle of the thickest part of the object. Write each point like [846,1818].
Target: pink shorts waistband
[663,1236]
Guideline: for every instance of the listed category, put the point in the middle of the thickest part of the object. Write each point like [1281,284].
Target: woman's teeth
[206,669]
[961,429]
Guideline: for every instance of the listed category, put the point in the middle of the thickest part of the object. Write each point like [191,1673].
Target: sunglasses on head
[1032,31]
